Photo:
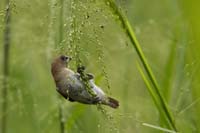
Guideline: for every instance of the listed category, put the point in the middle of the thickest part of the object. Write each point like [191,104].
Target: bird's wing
[64,94]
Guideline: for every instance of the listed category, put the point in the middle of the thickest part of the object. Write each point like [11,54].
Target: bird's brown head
[60,62]
[64,60]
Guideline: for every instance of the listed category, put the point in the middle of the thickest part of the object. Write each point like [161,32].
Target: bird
[78,86]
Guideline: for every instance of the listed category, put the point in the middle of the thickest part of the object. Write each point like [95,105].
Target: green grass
[155,91]
[143,53]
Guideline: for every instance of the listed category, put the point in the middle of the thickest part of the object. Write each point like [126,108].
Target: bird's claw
[81,69]
[90,76]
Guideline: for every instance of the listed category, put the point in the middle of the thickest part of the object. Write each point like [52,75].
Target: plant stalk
[129,30]
[60,35]
[5,66]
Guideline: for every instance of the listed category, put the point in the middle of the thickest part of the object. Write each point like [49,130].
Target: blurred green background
[87,30]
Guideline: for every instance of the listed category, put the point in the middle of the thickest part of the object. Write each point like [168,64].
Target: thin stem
[61,22]
[61,117]
[60,35]
[153,95]
[53,41]
[127,26]
[6,65]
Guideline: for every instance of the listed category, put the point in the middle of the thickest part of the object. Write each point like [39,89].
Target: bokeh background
[87,30]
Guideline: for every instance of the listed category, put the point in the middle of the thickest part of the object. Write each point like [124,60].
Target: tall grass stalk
[6,66]
[158,128]
[61,117]
[156,89]
[54,42]
[60,36]
[150,89]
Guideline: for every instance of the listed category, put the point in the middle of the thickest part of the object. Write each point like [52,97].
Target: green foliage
[94,35]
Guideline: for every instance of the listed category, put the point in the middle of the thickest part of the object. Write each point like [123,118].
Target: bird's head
[61,61]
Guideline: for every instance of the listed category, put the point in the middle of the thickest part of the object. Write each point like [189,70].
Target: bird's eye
[63,58]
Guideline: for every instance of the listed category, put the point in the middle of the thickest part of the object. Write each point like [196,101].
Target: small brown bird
[72,85]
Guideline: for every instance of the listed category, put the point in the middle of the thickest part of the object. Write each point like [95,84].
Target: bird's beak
[68,59]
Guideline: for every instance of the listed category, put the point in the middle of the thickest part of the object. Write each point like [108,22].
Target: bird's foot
[81,69]
[90,76]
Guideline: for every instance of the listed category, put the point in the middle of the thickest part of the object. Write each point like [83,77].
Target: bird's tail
[112,103]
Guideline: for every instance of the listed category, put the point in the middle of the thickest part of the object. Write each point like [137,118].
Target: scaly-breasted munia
[73,87]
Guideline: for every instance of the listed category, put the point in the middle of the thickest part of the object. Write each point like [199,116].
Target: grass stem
[60,35]
[6,65]
[129,30]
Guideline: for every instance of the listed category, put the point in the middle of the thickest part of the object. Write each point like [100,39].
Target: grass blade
[6,66]
[127,26]
[158,128]
[60,35]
